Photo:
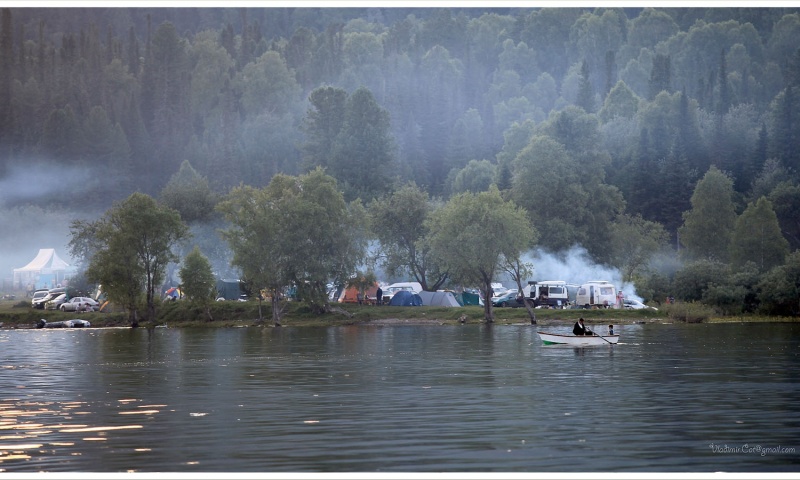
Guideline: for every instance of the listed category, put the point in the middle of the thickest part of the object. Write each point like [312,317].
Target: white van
[547,293]
[596,293]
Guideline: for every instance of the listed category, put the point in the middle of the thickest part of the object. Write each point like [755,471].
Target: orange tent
[350,295]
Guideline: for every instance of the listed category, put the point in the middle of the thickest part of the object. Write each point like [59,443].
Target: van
[547,293]
[596,293]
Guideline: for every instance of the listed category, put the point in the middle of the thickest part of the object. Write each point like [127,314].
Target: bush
[688,312]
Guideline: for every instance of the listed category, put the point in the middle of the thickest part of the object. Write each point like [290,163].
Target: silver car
[56,302]
[79,304]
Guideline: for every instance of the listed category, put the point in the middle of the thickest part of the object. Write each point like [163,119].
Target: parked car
[79,304]
[56,302]
[631,304]
[41,302]
[38,295]
[508,299]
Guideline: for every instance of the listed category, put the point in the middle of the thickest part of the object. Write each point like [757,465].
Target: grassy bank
[19,314]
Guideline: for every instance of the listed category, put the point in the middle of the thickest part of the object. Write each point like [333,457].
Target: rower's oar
[604,338]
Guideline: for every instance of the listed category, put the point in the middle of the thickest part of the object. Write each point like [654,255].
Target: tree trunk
[133,318]
[527,302]
[488,313]
[529,307]
[276,309]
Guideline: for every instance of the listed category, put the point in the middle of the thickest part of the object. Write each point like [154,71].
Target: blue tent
[404,298]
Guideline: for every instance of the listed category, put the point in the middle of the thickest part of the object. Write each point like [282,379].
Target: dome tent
[404,298]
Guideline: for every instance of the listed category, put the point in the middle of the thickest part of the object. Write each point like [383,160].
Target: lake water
[467,398]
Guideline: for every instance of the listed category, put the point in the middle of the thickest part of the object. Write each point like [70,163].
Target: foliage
[691,312]
[757,237]
[297,231]
[708,226]
[114,100]
[634,241]
[398,221]
[779,289]
[363,151]
[473,233]
[692,281]
[189,194]
[134,242]
[197,280]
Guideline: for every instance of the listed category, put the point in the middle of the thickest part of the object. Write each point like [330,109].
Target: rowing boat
[559,339]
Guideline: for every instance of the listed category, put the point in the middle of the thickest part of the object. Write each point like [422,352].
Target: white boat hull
[558,339]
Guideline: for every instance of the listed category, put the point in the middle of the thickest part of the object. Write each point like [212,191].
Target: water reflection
[410,398]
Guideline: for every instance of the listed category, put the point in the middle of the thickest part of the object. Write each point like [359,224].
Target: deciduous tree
[473,233]
[134,241]
[297,231]
[398,221]
[197,280]
[707,227]
[757,237]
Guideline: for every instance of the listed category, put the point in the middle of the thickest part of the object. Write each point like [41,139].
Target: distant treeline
[577,114]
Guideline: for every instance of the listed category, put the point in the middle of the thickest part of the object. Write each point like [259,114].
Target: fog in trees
[583,116]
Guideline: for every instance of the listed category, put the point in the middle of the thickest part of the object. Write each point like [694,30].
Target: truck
[547,293]
[596,293]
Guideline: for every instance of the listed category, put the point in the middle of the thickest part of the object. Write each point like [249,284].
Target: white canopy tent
[45,271]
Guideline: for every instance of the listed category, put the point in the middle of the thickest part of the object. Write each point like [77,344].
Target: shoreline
[98,322]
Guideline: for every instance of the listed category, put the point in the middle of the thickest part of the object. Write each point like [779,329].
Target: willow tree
[398,222]
[133,244]
[474,234]
[296,231]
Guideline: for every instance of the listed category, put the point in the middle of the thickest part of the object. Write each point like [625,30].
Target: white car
[631,304]
[79,304]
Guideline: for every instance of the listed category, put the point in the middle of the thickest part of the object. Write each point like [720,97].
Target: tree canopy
[473,234]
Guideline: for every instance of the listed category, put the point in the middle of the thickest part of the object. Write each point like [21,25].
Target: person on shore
[580,328]
[379,296]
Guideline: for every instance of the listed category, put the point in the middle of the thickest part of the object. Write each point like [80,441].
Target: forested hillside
[593,120]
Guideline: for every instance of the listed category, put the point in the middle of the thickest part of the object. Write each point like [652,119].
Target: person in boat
[611,329]
[580,328]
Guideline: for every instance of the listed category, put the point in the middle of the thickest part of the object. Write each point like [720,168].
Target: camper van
[596,293]
[547,293]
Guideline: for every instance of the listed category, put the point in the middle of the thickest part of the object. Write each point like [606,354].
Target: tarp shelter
[47,270]
[438,299]
[404,298]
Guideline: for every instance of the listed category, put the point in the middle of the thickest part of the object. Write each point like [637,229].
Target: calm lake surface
[468,398]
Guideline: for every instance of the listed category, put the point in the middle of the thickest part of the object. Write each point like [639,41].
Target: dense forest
[596,121]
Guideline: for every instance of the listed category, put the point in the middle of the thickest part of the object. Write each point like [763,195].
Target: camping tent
[439,299]
[47,270]
[350,295]
[466,298]
[404,298]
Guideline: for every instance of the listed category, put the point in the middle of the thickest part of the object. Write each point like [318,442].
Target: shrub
[689,312]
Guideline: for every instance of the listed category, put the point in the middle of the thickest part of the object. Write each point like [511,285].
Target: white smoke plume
[576,267]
